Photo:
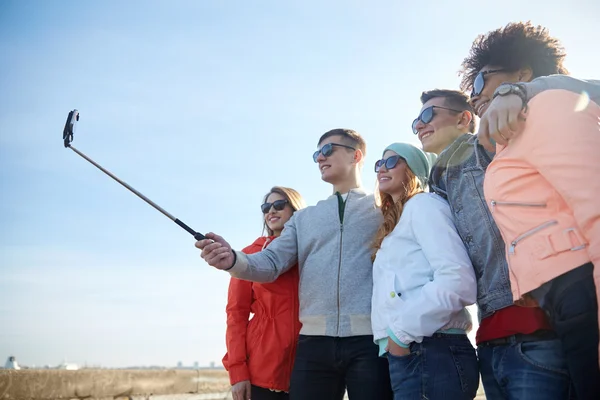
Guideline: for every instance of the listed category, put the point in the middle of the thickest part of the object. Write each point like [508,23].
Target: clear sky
[202,106]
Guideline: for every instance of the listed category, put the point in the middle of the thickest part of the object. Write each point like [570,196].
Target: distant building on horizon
[11,363]
[68,366]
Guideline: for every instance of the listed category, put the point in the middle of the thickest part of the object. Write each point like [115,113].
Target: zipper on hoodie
[495,203]
[341,210]
[513,244]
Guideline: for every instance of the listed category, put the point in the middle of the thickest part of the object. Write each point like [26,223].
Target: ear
[525,74]
[358,156]
[465,120]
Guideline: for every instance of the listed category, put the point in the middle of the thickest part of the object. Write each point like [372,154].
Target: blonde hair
[393,210]
[294,199]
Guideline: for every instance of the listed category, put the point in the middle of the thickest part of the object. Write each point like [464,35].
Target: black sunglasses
[427,115]
[479,82]
[327,150]
[278,205]
[389,162]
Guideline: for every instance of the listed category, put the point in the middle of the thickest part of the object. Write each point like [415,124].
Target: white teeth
[481,107]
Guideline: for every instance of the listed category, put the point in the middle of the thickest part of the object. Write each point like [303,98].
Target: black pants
[327,366]
[570,302]
[258,393]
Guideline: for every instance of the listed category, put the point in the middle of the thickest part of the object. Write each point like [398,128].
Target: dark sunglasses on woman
[479,82]
[389,162]
[278,205]
[327,150]
[427,115]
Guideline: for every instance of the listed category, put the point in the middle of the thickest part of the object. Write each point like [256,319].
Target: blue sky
[202,106]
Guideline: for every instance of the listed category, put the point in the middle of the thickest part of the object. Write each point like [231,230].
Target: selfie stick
[72,119]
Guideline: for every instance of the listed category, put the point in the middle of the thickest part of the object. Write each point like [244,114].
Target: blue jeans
[443,366]
[325,366]
[570,302]
[535,370]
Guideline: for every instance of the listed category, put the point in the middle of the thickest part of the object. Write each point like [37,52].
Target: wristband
[234,261]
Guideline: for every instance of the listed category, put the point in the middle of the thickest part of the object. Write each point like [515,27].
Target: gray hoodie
[333,253]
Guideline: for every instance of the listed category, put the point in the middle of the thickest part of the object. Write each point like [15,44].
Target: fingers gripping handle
[199,236]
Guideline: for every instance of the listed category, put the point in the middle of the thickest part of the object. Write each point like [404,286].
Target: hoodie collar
[358,190]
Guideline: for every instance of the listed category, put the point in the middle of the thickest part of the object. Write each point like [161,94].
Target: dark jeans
[572,308]
[532,370]
[443,366]
[258,393]
[325,366]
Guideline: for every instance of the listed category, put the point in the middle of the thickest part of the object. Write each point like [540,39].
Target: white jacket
[422,276]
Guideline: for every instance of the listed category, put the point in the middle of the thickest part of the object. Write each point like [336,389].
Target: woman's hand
[241,390]
[396,350]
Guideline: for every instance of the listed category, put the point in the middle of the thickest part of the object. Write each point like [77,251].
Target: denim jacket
[458,177]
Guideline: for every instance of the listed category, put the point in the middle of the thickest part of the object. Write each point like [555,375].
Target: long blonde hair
[393,210]
[293,197]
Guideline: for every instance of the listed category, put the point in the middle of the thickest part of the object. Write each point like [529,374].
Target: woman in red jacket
[261,350]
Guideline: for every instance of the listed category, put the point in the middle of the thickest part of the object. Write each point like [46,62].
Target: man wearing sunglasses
[332,244]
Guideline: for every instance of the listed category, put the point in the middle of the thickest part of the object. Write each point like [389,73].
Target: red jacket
[262,349]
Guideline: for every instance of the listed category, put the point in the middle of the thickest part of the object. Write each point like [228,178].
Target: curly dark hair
[515,46]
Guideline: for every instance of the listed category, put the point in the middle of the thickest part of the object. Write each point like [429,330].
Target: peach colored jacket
[543,190]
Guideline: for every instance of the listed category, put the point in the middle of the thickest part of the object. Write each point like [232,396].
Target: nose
[473,99]
[419,125]
[321,157]
[382,169]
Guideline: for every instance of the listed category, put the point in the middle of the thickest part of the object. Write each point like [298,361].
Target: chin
[383,189]
[326,177]
[429,147]
[276,228]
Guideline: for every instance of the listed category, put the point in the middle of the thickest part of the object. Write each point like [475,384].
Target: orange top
[543,190]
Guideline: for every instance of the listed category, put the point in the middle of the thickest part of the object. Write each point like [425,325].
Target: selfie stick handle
[197,235]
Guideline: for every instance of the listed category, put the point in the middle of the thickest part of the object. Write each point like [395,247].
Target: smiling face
[393,181]
[275,219]
[340,164]
[442,130]
[493,77]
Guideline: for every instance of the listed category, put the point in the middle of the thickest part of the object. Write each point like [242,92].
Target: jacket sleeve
[267,265]
[563,141]
[239,300]
[538,85]
[453,286]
